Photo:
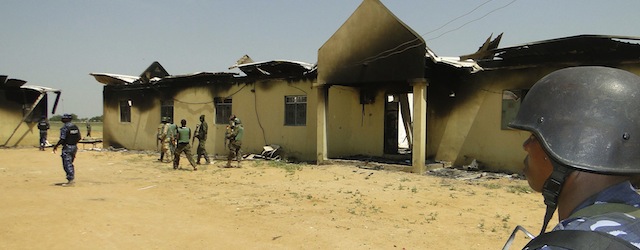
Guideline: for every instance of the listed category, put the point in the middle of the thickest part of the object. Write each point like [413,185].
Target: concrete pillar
[419,125]
[321,128]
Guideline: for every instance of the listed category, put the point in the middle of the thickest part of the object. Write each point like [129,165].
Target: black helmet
[587,118]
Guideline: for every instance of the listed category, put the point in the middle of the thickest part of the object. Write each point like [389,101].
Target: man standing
[201,134]
[172,131]
[162,137]
[43,126]
[69,137]
[582,153]
[184,134]
[88,129]
[235,140]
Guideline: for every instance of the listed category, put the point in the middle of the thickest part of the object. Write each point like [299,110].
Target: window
[166,109]
[511,100]
[223,110]
[125,111]
[295,110]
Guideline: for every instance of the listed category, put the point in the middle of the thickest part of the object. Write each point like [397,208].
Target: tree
[96,119]
[59,117]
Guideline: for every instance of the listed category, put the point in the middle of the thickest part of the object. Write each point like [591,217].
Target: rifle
[195,134]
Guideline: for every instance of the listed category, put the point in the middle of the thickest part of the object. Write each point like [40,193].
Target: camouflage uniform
[184,134]
[201,134]
[618,224]
[235,140]
[69,137]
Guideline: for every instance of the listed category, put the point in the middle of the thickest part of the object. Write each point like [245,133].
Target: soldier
[172,131]
[162,136]
[184,134]
[236,132]
[201,134]
[69,137]
[43,126]
[582,153]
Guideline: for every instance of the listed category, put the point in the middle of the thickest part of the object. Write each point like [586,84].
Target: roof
[6,82]
[40,88]
[114,79]
[275,68]
[574,49]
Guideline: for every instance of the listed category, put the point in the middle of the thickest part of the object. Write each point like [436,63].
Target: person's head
[183,122]
[202,118]
[232,117]
[580,119]
[163,119]
[44,117]
[66,118]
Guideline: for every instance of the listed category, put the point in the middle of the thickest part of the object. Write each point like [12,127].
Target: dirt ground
[129,200]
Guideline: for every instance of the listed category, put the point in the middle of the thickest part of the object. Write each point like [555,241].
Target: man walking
[201,134]
[235,140]
[162,139]
[184,134]
[43,126]
[69,137]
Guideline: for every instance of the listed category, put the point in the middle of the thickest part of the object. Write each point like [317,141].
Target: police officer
[69,137]
[184,134]
[583,149]
[43,126]
[201,134]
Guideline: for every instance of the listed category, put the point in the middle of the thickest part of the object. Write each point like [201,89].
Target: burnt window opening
[39,111]
[295,110]
[125,110]
[166,109]
[511,100]
[223,109]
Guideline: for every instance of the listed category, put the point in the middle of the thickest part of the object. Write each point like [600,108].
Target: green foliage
[96,119]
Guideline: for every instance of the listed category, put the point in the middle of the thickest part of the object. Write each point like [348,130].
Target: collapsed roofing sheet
[596,48]
[114,79]
[275,68]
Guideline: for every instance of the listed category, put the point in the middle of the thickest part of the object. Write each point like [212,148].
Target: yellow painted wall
[26,134]
[260,106]
[351,129]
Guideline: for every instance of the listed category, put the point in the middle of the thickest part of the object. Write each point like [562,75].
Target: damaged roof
[6,82]
[156,74]
[275,68]
[566,50]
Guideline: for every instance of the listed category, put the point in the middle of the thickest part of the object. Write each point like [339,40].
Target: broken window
[511,100]
[295,110]
[125,111]
[223,110]
[166,109]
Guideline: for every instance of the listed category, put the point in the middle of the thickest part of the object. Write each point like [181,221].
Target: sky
[57,44]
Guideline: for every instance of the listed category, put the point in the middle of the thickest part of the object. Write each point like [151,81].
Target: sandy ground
[129,200]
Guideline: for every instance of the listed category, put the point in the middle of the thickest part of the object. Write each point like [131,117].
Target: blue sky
[58,43]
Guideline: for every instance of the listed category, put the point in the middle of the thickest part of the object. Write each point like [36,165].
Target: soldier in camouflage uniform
[234,137]
[201,134]
[162,138]
[184,134]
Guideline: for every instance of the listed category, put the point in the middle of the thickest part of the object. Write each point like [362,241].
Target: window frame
[125,110]
[224,109]
[295,110]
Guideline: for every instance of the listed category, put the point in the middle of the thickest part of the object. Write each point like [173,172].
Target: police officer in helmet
[69,137]
[583,149]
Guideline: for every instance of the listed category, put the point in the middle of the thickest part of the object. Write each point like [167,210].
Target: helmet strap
[551,190]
